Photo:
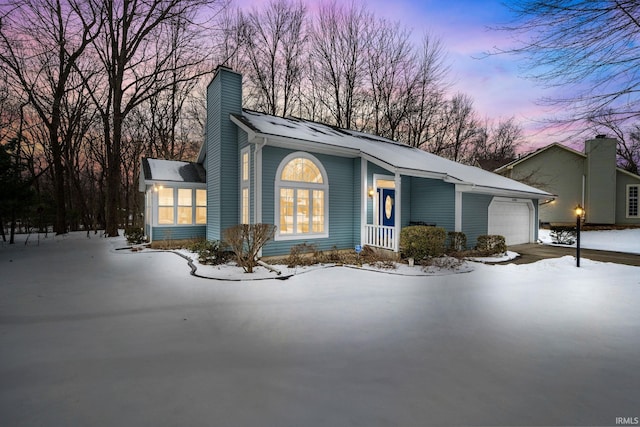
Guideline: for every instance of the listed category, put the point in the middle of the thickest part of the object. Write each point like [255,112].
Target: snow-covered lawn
[93,336]
[604,240]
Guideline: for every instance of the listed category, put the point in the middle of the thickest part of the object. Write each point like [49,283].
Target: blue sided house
[322,185]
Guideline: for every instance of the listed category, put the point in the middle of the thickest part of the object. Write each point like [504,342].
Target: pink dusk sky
[495,83]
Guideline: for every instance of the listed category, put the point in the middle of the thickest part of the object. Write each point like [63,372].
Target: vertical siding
[475,216]
[224,96]
[342,201]
[433,201]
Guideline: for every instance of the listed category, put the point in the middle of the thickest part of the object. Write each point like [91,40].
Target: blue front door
[387,203]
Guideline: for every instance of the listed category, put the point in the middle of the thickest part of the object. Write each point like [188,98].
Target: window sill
[305,236]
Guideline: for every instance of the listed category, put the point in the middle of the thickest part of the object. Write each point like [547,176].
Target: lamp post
[579,212]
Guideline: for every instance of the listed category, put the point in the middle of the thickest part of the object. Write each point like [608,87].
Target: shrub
[491,244]
[302,254]
[210,252]
[457,241]
[563,234]
[420,241]
[246,240]
[134,235]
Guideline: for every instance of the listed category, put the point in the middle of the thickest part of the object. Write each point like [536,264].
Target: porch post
[364,191]
[398,212]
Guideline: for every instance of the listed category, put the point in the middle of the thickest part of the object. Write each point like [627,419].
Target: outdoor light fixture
[579,210]
[370,192]
[157,188]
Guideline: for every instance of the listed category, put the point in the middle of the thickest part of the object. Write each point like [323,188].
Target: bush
[211,252]
[246,240]
[563,234]
[302,254]
[134,235]
[420,241]
[457,241]
[491,244]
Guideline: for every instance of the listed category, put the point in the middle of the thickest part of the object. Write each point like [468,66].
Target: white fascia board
[304,145]
[467,188]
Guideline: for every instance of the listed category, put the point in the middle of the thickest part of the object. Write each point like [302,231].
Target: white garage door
[511,219]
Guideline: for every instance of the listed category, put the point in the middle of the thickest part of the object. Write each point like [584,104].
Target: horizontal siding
[179,232]
[475,216]
[622,180]
[342,201]
[433,202]
[357,206]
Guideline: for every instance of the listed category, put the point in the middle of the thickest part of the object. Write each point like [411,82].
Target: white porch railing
[380,236]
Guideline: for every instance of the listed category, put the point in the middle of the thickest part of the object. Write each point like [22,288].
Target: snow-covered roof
[172,170]
[403,158]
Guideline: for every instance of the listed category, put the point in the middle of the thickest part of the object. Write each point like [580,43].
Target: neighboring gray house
[608,193]
[335,187]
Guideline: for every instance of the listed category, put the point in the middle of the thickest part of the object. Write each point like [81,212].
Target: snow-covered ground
[604,240]
[91,335]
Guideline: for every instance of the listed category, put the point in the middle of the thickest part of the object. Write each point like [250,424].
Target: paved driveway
[532,252]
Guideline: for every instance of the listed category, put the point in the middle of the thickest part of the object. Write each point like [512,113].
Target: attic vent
[601,136]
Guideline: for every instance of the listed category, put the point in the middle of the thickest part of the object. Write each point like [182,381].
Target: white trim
[458,210]
[376,201]
[398,211]
[364,189]
[626,205]
[245,184]
[300,185]
[257,194]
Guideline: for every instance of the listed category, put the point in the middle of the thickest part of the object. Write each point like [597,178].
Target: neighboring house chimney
[224,97]
[601,180]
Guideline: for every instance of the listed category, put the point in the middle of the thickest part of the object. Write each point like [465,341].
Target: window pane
[184,196]
[286,211]
[245,166]
[301,170]
[245,206]
[201,197]
[201,215]
[165,215]
[302,213]
[318,211]
[165,196]
[633,201]
[185,215]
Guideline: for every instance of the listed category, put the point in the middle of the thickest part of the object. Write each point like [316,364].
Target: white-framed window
[201,206]
[165,206]
[181,206]
[301,193]
[633,193]
[244,185]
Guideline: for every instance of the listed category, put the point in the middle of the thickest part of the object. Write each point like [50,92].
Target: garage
[511,218]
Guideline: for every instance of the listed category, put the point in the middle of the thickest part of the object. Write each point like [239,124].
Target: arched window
[301,197]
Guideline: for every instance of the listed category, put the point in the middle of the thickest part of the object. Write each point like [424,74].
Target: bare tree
[275,48]
[141,59]
[590,49]
[338,46]
[496,143]
[41,42]
[628,146]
